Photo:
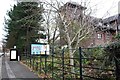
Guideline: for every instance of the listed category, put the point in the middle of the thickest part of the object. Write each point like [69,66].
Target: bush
[113,49]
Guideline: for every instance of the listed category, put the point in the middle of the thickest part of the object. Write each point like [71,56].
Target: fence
[88,65]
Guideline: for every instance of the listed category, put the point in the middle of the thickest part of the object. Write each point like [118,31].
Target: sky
[101,9]
[5,5]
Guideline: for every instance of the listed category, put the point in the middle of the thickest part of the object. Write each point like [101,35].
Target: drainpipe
[118,22]
[117,27]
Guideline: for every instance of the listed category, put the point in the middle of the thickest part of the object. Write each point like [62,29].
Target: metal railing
[56,66]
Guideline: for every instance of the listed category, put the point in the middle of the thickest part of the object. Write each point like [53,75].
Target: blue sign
[39,49]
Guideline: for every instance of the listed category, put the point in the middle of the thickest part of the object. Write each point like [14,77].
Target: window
[99,36]
[108,36]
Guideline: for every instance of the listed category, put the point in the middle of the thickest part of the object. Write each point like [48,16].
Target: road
[13,70]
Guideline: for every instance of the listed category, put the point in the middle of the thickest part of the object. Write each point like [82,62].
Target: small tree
[50,24]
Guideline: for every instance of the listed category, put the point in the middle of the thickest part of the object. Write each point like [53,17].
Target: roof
[76,5]
[110,19]
[98,22]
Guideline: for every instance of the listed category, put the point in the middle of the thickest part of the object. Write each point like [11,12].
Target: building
[113,22]
[105,29]
[72,10]
[111,28]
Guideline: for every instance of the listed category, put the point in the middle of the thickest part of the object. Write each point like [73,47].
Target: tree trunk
[71,59]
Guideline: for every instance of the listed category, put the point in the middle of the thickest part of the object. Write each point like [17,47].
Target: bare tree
[75,23]
[50,24]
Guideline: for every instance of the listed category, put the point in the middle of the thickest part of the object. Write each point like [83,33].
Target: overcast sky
[4,6]
[104,8]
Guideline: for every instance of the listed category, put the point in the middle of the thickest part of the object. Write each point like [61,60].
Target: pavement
[14,70]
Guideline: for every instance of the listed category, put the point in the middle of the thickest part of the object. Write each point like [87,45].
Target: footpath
[14,70]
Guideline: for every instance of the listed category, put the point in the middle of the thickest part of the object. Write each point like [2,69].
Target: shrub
[113,49]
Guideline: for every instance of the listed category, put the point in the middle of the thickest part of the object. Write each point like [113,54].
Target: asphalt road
[14,70]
